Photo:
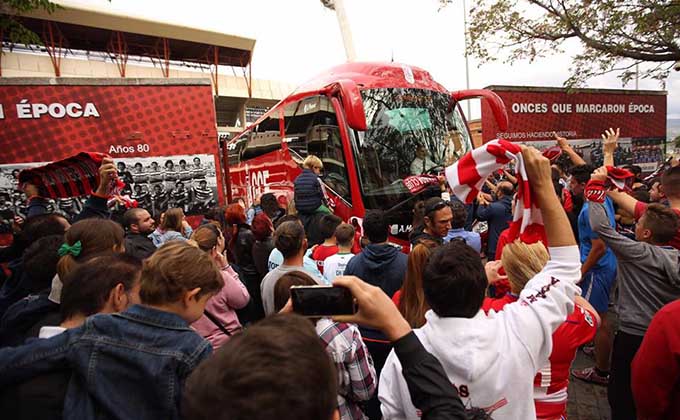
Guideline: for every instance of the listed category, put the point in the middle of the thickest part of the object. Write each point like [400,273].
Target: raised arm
[623,201]
[548,298]
[609,141]
[624,248]
[557,227]
[96,204]
[576,160]
[235,292]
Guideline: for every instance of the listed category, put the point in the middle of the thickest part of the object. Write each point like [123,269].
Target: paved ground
[586,401]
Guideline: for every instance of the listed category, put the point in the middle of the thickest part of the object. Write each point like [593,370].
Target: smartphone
[314,301]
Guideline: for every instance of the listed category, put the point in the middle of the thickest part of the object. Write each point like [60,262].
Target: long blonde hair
[523,261]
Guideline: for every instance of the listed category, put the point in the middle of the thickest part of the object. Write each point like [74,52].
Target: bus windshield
[410,132]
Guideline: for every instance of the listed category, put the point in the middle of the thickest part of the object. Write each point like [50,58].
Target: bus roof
[367,75]
[374,75]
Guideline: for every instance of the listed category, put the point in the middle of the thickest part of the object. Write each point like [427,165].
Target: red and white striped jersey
[552,380]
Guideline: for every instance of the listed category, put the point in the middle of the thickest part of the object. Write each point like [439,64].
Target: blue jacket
[20,318]
[498,214]
[473,239]
[308,193]
[380,265]
[130,365]
[13,288]
[383,266]
[159,237]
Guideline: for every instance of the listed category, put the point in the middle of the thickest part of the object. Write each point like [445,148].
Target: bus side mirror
[351,102]
[495,102]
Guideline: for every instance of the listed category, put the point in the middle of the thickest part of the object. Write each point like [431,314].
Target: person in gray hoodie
[648,277]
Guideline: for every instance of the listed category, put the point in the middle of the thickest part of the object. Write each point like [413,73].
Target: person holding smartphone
[303,382]
[357,380]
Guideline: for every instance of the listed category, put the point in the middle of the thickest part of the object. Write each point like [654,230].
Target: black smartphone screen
[322,300]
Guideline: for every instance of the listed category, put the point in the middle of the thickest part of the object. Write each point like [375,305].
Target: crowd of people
[148,319]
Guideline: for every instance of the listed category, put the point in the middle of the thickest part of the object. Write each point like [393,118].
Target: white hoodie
[492,360]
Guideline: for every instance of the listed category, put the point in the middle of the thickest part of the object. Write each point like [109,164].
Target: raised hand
[537,167]
[566,148]
[491,268]
[107,172]
[610,140]
[562,142]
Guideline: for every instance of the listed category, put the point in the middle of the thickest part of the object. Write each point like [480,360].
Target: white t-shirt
[492,359]
[335,265]
[269,283]
[420,166]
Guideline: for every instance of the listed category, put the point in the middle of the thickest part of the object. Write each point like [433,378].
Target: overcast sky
[296,39]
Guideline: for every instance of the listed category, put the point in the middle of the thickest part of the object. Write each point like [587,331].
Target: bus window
[311,128]
[234,150]
[410,132]
[459,136]
[263,138]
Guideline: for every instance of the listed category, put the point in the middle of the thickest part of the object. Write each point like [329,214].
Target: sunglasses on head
[435,206]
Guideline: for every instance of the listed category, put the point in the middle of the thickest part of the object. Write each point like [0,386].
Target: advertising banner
[581,117]
[162,136]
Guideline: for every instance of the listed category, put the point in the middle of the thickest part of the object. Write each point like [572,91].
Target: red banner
[162,137]
[47,123]
[418,183]
[534,113]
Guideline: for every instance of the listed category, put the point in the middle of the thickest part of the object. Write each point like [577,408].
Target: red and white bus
[366,122]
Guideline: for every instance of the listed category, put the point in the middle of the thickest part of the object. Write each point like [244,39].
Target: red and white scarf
[468,174]
[621,179]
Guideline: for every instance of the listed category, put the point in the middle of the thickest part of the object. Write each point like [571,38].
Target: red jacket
[656,367]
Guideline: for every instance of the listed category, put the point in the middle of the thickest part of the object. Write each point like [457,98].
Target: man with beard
[138,225]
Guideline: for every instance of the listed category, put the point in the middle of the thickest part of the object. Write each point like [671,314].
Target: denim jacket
[130,365]
[159,237]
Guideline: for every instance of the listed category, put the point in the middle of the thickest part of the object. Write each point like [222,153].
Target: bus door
[311,127]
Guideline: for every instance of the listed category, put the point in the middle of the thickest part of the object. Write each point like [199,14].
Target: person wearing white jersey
[492,359]
[335,265]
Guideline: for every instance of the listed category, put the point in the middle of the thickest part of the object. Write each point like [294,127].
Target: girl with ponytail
[84,239]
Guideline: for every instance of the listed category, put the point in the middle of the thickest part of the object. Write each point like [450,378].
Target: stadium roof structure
[74,27]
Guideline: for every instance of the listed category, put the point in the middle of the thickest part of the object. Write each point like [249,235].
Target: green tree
[614,35]
[10,24]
